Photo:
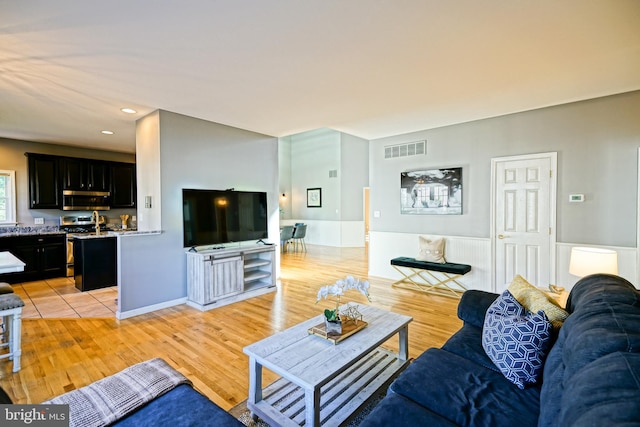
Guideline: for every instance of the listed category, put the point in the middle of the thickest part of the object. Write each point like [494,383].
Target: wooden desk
[9,263]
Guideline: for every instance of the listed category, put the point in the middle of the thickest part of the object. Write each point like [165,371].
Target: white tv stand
[222,276]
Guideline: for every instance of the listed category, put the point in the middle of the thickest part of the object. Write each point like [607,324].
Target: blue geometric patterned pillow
[516,340]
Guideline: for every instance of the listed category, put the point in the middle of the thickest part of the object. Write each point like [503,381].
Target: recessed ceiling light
[128,110]
[107,132]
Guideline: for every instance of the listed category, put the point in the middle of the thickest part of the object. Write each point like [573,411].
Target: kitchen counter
[13,233]
[110,233]
[9,263]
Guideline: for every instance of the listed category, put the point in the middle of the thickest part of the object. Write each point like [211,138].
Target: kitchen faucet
[95,218]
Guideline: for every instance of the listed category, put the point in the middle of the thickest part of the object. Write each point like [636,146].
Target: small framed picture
[314,197]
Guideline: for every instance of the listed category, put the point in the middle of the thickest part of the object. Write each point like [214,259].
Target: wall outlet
[38,221]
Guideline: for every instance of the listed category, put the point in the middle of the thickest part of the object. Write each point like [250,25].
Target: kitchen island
[95,261]
[9,263]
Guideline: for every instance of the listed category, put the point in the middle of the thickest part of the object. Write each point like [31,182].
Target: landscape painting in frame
[431,192]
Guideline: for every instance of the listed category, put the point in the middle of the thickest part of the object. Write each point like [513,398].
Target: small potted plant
[332,320]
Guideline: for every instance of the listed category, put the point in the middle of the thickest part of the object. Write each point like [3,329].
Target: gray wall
[194,153]
[12,157]
[353,176]
[597,143]
[285,186]
[312,155]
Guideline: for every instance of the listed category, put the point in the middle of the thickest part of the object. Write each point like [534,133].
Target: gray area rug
[242,414]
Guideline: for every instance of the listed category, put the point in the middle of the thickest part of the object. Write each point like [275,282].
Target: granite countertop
[86,236]
[29,231]
[111,233]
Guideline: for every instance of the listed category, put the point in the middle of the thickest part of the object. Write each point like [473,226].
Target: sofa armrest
[473,306]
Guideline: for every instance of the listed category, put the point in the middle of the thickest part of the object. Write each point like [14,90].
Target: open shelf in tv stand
[222,276]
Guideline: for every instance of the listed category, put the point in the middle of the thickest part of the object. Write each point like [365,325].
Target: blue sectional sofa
[150,393]
[591,375]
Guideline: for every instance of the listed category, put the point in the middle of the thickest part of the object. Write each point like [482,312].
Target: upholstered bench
[432,277]
[11,314]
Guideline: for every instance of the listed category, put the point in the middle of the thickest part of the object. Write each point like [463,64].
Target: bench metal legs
[434,282]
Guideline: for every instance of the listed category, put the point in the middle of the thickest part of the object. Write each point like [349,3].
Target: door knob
[500,236]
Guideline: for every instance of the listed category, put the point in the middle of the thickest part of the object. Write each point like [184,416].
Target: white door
[523,218]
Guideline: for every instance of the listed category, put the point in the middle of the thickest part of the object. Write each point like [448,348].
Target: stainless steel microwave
[73,200]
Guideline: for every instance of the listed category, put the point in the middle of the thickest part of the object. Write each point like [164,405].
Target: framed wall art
[431,192]
[314,197]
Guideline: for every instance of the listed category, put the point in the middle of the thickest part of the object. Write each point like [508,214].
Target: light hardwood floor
[64,354]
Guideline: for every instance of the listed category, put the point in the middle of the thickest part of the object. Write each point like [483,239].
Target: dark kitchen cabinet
[45,256]
[95,264]
[44,184]
[84,174]
[123,185]
[50,175]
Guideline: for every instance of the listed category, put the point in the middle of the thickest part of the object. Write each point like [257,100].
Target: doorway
[523,218]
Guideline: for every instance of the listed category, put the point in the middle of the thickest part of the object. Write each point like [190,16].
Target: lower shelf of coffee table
[284,402]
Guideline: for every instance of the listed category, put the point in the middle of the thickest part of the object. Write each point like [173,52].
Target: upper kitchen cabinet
[50,175]
[123,185]
[85,174]
[44,188]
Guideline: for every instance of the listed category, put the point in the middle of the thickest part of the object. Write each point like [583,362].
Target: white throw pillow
[431,249]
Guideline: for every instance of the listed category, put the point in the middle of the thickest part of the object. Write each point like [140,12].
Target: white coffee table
[322,382]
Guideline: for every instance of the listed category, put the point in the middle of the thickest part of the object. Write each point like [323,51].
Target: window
[7,197]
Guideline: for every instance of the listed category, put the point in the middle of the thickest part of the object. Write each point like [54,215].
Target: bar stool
[11,314]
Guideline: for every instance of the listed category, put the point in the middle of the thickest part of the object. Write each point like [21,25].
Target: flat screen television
[212,217]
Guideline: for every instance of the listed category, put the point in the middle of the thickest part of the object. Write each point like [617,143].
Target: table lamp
[586,261]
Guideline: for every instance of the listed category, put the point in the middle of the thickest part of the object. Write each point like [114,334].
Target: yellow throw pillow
[431,250]
[534,300]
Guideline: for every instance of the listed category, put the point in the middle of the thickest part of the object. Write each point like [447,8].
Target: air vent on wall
[403,150]
[333,173]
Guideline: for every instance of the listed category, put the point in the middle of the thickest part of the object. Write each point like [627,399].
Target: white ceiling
[371,68]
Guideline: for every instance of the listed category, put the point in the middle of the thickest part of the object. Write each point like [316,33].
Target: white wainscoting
[476,252]
[342,234]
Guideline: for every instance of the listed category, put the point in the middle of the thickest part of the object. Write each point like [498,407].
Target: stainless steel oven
[69,255]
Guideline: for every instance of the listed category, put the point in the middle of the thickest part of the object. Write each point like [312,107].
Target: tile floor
[59,298]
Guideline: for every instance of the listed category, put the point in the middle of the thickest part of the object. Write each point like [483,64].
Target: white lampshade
[586,261]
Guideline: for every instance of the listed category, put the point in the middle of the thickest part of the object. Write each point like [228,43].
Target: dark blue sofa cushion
[466,393]
[473,306]
[604,393]
[604,321]
[181,407]
[397,411]
[467,343]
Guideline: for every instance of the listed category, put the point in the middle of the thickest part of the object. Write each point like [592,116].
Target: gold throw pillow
[534,300]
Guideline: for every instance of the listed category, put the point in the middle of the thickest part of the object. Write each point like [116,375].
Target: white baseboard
[149,308]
